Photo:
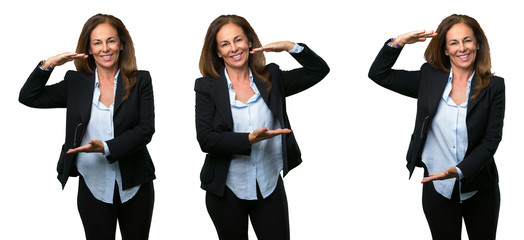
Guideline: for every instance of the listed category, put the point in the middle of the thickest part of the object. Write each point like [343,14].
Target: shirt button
[254,164]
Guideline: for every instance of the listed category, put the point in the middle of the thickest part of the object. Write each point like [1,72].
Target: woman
[242,125]
[110,120]
[458,126]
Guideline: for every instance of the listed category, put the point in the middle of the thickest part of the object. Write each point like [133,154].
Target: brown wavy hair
[210,63]
[126,60]
[435,52]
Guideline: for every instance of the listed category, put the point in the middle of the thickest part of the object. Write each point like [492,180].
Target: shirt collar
[447,90]
[229,83]
[232,93]
[96,94]
[97,81]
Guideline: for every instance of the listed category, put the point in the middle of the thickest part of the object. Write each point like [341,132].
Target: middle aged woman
[109,121]
[242,125]
[458,127]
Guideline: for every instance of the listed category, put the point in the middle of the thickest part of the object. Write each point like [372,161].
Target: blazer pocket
[208,170]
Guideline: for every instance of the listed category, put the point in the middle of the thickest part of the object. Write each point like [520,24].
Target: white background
[353,134]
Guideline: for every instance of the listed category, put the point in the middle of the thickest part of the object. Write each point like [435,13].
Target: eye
[224,44]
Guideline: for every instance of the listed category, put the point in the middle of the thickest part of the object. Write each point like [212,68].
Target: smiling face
[233,46]
[461,47]
[105,46]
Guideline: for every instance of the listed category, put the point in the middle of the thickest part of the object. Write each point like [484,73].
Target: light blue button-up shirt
[100,175]
[447,140]
[265,163]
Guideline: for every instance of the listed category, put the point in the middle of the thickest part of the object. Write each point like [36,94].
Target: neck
[238,75]
[462,75]
[106,74]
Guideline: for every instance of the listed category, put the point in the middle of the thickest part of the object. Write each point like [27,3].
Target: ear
[446,52]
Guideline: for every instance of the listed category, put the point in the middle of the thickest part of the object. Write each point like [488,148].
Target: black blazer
[214,122]
[484,120]
[133,120]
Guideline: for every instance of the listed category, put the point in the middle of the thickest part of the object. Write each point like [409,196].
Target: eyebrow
[236,37]
[451,40]
[109,38]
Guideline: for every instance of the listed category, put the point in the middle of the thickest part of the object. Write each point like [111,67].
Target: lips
[107,57]
[463,57]
[237,57]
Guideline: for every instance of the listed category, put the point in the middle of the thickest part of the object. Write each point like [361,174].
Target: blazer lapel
[84,94]
[119,93]
[472,102]
[436,85]
[262,88]
[272,104]
[221,96]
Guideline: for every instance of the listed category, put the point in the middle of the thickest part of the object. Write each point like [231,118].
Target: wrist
[45,66]
[50,63]
[396,43]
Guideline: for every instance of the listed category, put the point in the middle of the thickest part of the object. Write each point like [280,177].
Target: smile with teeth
[237,57]
[464,57]
[107,57]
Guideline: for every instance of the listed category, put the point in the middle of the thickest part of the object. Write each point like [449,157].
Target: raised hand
[62,58]
[92,146]
[413,37]
[264,133]
[275,47]
[450,172]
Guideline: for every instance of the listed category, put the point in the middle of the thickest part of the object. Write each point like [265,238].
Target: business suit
[133,121]
[484,121]
[214,122]
[214,125]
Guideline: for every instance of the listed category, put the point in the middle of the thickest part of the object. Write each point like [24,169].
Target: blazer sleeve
[213,134]
[36,94]
[482,154]
[401,81]
[138,136]
[313,70]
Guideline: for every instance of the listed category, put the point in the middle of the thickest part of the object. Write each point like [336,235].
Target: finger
[74,150]
[255,50]
[428,179]
[285,130]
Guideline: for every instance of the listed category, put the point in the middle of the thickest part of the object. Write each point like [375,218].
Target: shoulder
[143,78]
[143,74]
[73,78]
[273,69]
[75,74]
[497,80]
[205,83]
[428,67]
[497,83]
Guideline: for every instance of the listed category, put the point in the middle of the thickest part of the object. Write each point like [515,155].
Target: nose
[105,47]
[462,47]
[234,47]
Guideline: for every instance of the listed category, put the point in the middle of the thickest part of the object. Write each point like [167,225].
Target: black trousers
[99,218]
[480,213]
[269,217]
